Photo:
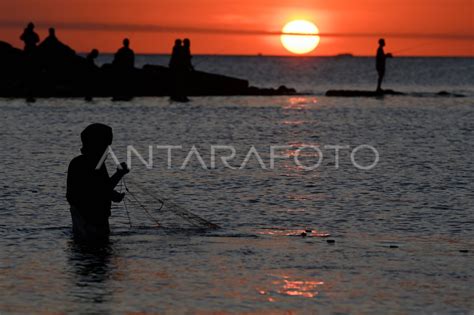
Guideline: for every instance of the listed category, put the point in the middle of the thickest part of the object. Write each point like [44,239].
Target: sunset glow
[255,25]
[300,44]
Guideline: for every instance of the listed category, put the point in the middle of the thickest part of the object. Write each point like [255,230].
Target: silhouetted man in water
[90,190]
[380,63]
[30,38]
[124,58]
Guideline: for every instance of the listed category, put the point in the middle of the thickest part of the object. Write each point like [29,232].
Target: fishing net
[145,208]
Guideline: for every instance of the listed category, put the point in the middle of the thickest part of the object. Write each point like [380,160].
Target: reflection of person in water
[380,63]
[30,38]
[90,190]
[93,264]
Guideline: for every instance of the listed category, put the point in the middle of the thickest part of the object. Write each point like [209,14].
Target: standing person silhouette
[91,57]
[124,58]
[187,64]
[90,190]
[92,74]
[176,60]
[124,65]
[30,38]
[178,71]
[380,63]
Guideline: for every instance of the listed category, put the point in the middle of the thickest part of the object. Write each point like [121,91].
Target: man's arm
[121,171]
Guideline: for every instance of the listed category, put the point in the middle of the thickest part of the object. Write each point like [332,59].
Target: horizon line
[341,55]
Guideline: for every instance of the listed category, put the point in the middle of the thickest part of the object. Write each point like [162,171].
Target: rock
[12,62]
[361,93]
[54,70]
[448,94]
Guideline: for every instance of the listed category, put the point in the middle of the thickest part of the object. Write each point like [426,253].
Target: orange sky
[384,17]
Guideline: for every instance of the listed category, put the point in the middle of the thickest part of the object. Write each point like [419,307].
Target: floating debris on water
[276,231]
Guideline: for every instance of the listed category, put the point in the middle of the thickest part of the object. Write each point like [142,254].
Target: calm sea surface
[401,229]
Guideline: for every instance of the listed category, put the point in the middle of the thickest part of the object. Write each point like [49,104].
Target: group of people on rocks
[49,50]
[52,48]
[30,38]
[55,57]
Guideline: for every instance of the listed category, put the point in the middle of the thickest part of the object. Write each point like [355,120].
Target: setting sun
[299,44]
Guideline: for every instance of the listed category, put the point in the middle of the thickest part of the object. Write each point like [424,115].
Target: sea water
[403,230]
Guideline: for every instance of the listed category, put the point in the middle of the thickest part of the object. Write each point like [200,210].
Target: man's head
[177,42]
[186,42]
[382,42]
[95,139]
[126,42]
[52,32]
[31,26]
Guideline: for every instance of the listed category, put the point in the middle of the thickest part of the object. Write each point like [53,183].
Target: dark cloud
[189,29]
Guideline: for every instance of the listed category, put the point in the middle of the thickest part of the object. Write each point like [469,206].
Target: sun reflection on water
[292,287]
[300,102]
[304,288]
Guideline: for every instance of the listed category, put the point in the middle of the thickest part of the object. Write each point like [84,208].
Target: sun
[300,44]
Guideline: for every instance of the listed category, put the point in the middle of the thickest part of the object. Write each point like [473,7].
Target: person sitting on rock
[91,58]
[125,57]
[30,38]
[55,57]
[53,47]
